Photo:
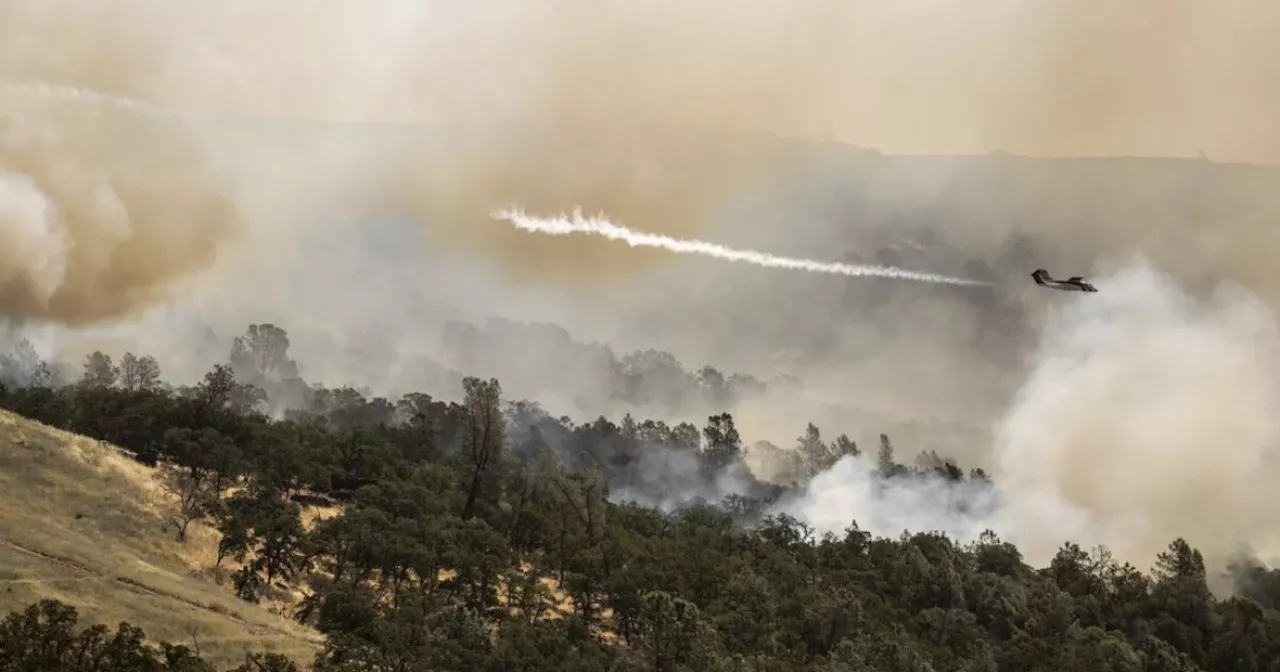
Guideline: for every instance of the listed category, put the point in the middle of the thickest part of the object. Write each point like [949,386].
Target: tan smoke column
[100,208]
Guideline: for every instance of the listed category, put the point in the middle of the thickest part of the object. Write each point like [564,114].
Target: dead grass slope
[83,524]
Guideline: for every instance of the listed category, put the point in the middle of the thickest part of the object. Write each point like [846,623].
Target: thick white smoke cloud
[1148,415]
[852,492]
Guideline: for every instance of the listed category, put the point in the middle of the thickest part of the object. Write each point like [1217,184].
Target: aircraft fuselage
[1075,284]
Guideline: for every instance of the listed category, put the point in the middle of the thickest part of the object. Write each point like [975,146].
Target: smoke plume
[100,208]
[1148,415]
[1152,414]
[599,226]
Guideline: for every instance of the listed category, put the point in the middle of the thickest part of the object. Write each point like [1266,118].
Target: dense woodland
[454,512]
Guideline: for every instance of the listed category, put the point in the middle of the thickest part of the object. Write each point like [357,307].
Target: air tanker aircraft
[1073,284]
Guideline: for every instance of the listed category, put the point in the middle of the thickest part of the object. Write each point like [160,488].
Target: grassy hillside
[83,524]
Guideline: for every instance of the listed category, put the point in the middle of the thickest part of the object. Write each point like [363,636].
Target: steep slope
[83,524]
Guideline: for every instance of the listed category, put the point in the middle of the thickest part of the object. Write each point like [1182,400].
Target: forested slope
[481,534]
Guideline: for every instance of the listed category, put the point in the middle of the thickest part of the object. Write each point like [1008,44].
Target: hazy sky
[1060,77]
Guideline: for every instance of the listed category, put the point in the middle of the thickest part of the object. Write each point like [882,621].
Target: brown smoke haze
[665,115]
[593,98]
[100,212]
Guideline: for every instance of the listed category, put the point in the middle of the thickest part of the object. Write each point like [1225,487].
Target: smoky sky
[592,106]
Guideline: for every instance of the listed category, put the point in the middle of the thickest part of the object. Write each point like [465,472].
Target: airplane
[1073,284]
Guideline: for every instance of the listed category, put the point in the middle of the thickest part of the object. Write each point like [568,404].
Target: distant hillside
[83,524]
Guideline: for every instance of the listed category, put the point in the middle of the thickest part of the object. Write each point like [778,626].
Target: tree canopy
[484,533]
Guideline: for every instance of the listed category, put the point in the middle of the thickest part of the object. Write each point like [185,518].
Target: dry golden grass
[312,515]
[84,524]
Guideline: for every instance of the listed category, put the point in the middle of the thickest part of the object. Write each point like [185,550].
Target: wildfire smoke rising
[101,207]
[1147,415]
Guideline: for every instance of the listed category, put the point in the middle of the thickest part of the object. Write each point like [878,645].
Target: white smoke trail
[599,226]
